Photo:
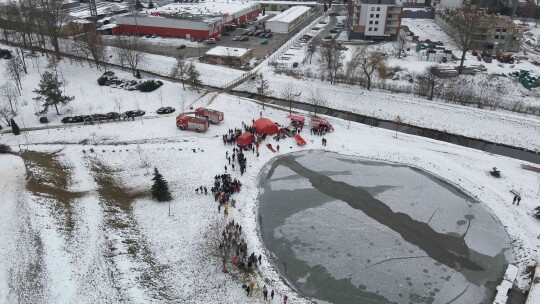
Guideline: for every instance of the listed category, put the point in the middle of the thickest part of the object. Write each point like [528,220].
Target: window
[390,16]
[378,9]
[376,22]
[370,15]
[377,16]
[502,37]
[369,29]
[496,36]
[374,29]
[371,22]
[504,31]
[372,8]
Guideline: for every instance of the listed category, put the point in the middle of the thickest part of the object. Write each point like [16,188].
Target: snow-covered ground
[116,247]
[187,160]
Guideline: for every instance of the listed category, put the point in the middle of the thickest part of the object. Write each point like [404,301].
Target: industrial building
[231,56]
[374,19]
[287,20]
[194,20]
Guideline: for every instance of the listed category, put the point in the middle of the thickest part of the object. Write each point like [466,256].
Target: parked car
[181,47]
[218,38]
[333,31]
[268,31]
[327,38]
[165,110]
[226,34]
[113,115]
[237,38]
[265,41]
[322,22]
[246,33]
[154,36]
[148,36]
[135,113]
[315,28]
[210,41]
[251,33]
[245,38]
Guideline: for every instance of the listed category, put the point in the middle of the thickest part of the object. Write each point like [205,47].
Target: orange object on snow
[299,140]
[245,139]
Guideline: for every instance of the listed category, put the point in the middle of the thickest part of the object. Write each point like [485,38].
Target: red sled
[299,140]
[271,148]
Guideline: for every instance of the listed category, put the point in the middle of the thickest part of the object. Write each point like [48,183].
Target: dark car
[268,31]
[246,33]
[333,31]
[78,118]
[165,110]
[181,47]
[99,117]
[148,36]
[135,113]
[66,119]
[268,35]
[113,115]
[245,38]
[226,34]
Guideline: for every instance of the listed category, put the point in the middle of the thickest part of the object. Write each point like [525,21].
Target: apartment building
[374,19]
[493,32]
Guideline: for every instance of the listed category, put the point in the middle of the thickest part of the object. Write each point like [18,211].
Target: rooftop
[223,51]
[290,14]
[220,8]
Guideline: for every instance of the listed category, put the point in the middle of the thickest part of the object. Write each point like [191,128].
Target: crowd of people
[231,136]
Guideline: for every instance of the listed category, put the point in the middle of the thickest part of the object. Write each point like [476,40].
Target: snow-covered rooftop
[304,3]
[290,14]
[223,51]
[219,7]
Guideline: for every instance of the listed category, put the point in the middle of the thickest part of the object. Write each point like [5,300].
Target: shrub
[15,128]
[102,80]
[6,54]
[536,212]
[4,149]
[149,85]
[495,173]
[43,119]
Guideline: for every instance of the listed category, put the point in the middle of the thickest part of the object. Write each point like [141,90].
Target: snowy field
[82,229]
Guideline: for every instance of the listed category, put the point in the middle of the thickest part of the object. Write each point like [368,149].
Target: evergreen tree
[194,76]
[160,188]
[50,92]
[15,127]
[138,5]
[151,4]
[264,10]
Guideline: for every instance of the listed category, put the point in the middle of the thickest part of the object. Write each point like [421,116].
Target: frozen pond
[348,230]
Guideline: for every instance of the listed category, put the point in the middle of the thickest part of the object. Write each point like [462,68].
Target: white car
[327,38]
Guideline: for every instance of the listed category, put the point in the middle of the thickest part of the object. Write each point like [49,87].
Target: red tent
[245,139]
[265,125]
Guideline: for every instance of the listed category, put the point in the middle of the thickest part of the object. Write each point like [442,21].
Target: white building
[374,19]
[280,6]
[448,4]
[284,22]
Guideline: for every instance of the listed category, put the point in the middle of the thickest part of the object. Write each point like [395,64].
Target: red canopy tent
[245,139]
[265,125]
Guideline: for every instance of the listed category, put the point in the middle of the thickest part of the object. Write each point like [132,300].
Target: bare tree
[52,15]
[15,70]
[312,48]
[465,25]
[317,100]
[93,43]
[5,113]
[428,82]
[118,104]
[397,122]
[290,93]
[130,50]
[401,45]
[331,57]
[179,70]
[368,62]
[263,88]
[9,95]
